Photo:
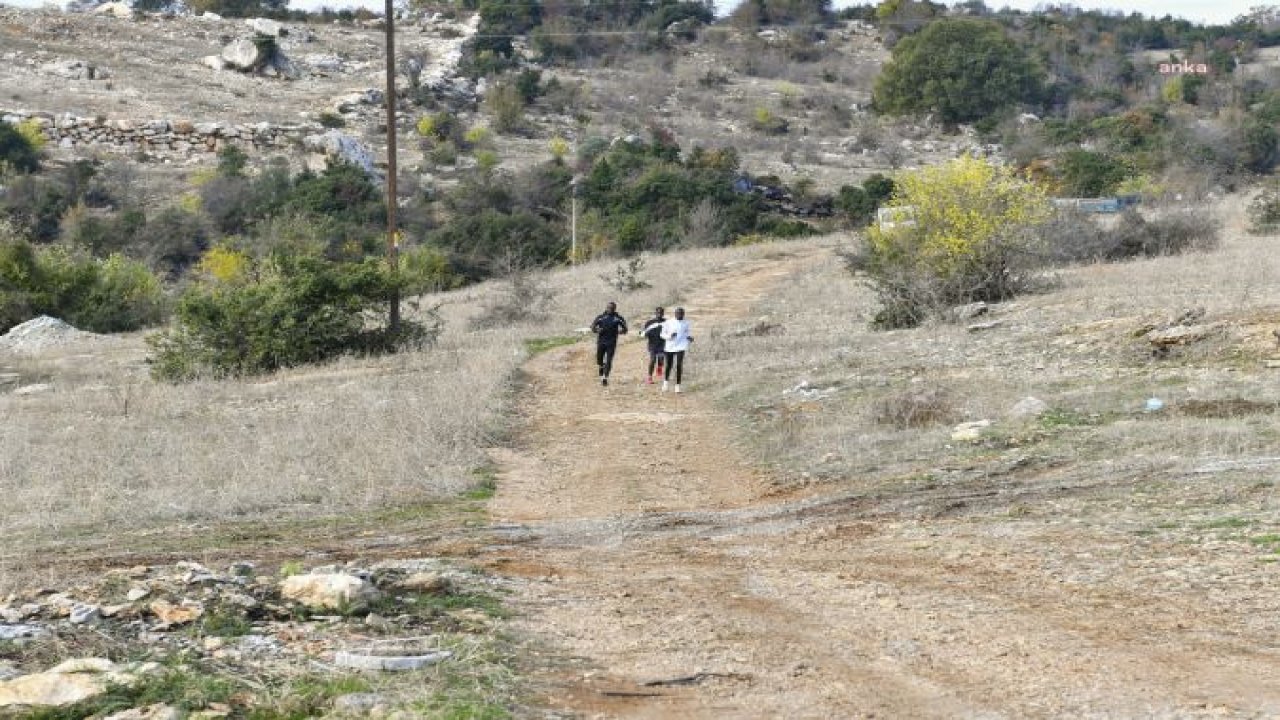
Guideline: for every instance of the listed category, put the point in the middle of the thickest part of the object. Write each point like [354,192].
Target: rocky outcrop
[340,146]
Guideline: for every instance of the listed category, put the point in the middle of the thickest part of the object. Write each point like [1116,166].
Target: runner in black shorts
[652,333]
[606,326]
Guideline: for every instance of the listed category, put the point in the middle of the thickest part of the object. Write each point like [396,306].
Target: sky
[1222,11]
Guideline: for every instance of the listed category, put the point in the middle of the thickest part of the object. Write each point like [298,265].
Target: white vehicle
[891,217]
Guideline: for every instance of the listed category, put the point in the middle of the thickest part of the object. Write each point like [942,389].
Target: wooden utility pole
[393,236]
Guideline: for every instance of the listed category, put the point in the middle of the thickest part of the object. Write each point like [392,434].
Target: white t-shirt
[676,333]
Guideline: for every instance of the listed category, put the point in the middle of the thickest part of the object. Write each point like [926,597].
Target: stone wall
[166,138]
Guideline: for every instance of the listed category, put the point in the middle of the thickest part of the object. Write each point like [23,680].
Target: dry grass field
[802,526]
[109,455]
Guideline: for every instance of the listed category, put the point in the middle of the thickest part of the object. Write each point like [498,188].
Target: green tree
[960,70]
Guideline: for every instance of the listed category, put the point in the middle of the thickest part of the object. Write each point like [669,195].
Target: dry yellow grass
[108,451]
[1073,348]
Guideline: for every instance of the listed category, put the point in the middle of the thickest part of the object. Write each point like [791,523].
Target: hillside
[105,68]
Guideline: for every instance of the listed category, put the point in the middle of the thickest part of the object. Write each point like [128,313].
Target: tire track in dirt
[650,551]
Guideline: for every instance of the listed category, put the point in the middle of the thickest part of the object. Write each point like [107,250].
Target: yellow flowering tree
[961,232]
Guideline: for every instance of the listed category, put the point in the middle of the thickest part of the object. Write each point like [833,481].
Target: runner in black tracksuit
[606,326]
[652,333]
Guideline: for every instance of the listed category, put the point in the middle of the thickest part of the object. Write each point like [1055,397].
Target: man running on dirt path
[676,333]
[652,333]
[606,326]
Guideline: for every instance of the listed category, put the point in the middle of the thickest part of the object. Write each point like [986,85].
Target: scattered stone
[969,431]
[425,582]
[67,683]
[20,632]
[82,614]
[369,661]
[115,9]
[1177,335]
[151,712]
[137,593]
[269,28]
[171,614]
[332,591]
[359,703]
[244,54]
[8,670]
[1029,407]
[214,62]
[976,327]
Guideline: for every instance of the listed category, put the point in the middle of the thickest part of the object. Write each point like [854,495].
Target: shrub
[626,276]
[525,296]
[231,161]
[859,204]
[914,408]
[477,242]
[300,310]
[765,121]
[1170,232]
[1264,210]
[506,105]
[970,237]
[332,120]
[1082,173]
[426,269]
[111,295]
[17,151]
[174,240]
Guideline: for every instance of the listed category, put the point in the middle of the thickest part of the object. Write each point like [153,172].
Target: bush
[524,298]
[1082,173]
[1172,231]
[859,204]
[917,407]
[1264,210]
[626,276]
[17,151]
[506,105]
[1074,236]
[174,240]
[765,121]
[111,295]
[970,237]
[299,310]
[426,269]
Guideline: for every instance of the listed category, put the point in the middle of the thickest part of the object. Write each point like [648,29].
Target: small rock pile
[40,333]
[234,617]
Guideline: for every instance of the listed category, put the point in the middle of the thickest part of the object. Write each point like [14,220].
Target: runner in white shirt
[676,333]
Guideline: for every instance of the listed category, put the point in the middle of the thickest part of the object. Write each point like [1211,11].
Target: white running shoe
[677,388]
[664,386]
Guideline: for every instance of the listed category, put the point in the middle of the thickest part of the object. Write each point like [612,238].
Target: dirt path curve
[663,579]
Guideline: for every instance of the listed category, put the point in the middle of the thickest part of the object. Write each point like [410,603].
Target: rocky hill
[167,88]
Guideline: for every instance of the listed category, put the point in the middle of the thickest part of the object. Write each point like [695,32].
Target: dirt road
[663,577]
